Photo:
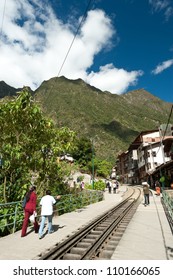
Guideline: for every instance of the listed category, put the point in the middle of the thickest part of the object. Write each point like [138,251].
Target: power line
[80,24]
[168,121]
[78,28]
[162,136]
[75,35]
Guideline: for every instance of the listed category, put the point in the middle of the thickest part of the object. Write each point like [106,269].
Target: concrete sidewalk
[13,247]
[148,236]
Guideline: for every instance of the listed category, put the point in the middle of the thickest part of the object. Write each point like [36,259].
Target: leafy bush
[98,185]
[67,203]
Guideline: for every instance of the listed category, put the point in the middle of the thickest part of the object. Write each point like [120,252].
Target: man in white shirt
[47,203]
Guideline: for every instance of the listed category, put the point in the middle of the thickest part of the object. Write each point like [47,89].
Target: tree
[29,144]
[101,167]
[83,151]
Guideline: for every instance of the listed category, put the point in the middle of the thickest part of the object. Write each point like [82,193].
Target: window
[154,154]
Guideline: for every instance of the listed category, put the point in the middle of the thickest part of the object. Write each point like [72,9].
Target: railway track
[99,238]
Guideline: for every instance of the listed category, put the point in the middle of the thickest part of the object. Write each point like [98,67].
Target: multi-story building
[121,167]
[145,154]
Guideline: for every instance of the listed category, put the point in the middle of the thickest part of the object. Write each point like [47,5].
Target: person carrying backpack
[29,209]
[146,193]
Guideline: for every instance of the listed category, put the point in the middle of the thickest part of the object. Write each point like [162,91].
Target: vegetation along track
[99,238]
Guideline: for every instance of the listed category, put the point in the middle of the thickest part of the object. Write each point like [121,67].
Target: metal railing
[167,200]
[12,214]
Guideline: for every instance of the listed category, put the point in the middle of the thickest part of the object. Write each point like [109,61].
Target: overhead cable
[75,35]
[162,136]
[78,28]
[168,121]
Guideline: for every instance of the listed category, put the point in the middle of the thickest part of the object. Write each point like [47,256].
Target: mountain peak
[6,90]
[114,120]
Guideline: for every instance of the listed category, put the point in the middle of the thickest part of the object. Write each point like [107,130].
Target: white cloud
[112,79]
[166,6]
[34,43]
[162,66]
[159,4]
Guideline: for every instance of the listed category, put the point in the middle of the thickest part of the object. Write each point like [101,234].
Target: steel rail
[94,250]
[61,251]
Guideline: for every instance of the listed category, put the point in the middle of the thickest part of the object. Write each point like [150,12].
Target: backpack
[24,202]
[26,199]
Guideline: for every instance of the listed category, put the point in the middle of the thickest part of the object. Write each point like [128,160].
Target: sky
[116,46]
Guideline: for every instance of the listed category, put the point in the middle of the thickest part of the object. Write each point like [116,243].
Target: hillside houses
[148,157]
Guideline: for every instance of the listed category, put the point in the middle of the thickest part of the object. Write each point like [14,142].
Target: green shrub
[98,185]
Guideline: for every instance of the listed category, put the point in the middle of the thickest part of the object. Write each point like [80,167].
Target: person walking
[29,209]
[82,185]
[47,203]
[157,187]
[117,185]
[146,192]
[114,187]
[109,185]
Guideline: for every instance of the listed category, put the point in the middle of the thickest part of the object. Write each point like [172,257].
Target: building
[145,154]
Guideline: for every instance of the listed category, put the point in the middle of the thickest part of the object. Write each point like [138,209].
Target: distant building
[145,154]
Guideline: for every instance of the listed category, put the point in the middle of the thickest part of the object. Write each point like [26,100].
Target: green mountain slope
[113,121]
[6,90]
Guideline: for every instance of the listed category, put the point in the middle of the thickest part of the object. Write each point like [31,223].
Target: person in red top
[29,209]
[157,185]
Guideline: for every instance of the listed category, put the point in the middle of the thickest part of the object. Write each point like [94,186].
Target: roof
[168,144]
[138,138]
[168,166]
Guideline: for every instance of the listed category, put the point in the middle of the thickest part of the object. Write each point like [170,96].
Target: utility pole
[151,156]
[92,163]
[161,146]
